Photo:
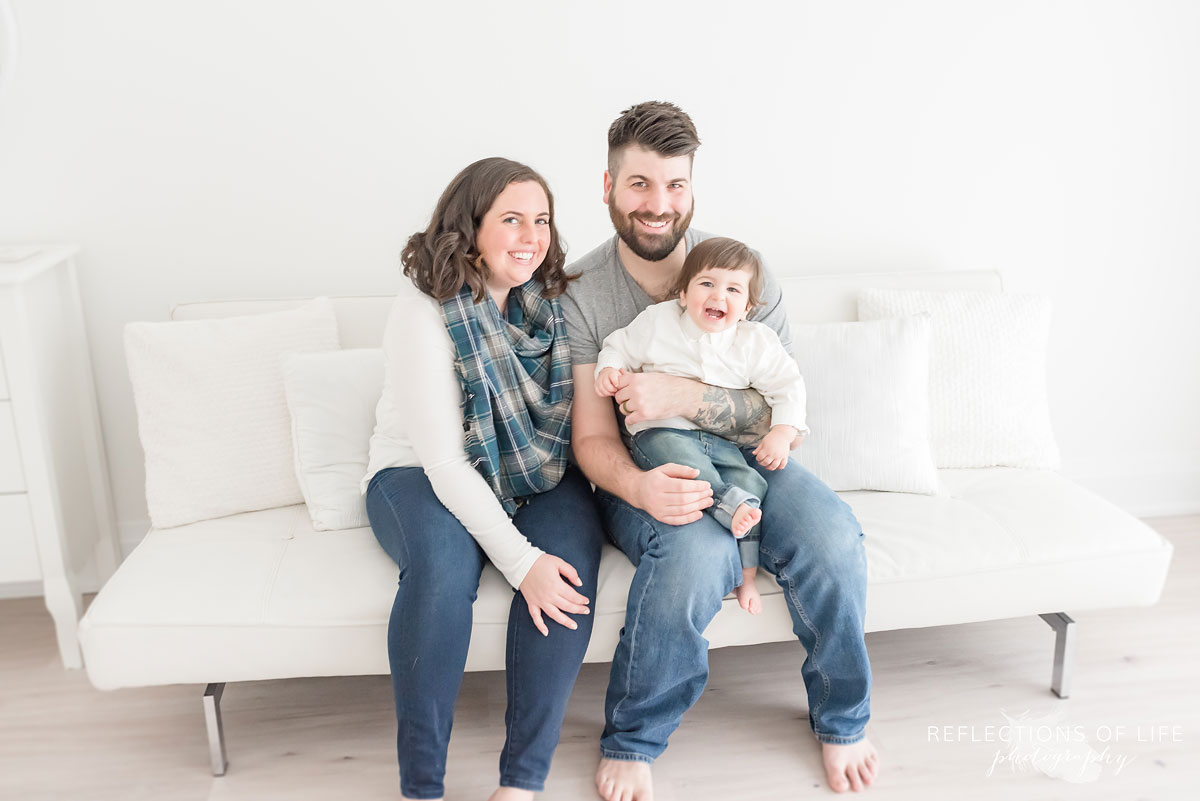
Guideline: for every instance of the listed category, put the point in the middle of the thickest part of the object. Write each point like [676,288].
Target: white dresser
[56,517]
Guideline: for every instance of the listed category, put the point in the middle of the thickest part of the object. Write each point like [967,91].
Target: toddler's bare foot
[747,594]
[850,767]
[744,518]
[511,794]
[624,780]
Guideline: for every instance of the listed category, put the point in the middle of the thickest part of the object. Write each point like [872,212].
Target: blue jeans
[430,625]
[811,542]
[720,463]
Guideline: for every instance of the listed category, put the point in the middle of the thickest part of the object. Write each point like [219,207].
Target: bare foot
[747,594]
[850,767]
[744,518]
[624,780]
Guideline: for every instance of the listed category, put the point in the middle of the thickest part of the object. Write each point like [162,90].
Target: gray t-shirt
[606,298]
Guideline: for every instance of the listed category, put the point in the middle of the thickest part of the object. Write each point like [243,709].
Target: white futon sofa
[263,595]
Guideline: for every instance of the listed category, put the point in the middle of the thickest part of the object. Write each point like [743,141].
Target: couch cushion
[332,397]
[987,374]
[262,595]
[212,417]
[861,438]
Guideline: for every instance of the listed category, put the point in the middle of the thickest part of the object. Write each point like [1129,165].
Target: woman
[469,463]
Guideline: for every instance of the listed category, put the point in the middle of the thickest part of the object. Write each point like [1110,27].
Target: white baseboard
[88,583]
[1147,493]
[20,589]
[129,534]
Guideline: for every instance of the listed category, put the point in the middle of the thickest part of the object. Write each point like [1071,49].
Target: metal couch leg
[1064,652]
[216,733]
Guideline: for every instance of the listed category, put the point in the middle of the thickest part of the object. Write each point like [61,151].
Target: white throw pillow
[211,411]
[987,374]
[332,399]
[868,404]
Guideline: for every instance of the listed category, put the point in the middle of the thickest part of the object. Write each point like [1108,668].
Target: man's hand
[657,396]
[772,452]
[608,381]
[670,495]
[546,593]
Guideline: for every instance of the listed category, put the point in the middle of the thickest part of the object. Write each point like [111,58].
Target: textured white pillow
[332,399]
[868,404]
[211,411]
[987,374]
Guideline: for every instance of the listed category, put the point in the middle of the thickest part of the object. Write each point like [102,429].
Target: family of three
[640,359]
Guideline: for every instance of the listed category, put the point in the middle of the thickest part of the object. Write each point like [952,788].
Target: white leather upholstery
[261,595]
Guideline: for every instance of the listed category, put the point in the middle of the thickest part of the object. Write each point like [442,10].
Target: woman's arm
[419,361]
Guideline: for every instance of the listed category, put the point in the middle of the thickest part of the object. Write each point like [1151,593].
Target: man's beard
[650,247]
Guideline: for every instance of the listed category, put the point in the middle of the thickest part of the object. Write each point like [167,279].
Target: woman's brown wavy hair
[443,257]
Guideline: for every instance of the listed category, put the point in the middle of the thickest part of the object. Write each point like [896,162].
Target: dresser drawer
[18,548]
[11,478]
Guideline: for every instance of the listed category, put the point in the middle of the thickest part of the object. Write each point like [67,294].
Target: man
[686,562]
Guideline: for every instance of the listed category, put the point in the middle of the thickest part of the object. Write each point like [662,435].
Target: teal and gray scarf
[515,376]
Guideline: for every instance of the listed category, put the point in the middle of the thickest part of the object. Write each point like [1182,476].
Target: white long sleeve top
[664,339]
[419,423]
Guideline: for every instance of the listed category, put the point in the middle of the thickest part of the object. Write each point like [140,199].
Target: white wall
[208,150]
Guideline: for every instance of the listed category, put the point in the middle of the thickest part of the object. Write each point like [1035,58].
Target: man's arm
[741,416]
[668,493]
[738,415]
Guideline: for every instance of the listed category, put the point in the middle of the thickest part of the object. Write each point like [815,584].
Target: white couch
[262,595]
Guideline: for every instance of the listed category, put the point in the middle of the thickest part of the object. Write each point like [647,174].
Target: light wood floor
[747,738]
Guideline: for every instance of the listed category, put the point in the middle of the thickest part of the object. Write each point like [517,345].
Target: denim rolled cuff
[835,739]
[625,756]
[748,549]
[733,497]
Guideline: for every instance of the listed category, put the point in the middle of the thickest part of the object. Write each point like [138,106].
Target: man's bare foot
[850,767]
[747,594]
[511,794]
[744,518]
[624,780]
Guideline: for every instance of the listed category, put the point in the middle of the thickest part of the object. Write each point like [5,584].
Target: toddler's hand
[772,452]
[606,382]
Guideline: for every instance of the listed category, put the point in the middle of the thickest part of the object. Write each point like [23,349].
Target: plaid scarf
[516,382]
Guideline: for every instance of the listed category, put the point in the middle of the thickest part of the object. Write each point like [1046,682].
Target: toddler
[705,335]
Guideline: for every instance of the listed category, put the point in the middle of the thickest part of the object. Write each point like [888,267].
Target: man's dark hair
[659,127]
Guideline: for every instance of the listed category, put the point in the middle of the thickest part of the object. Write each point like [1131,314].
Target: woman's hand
[546,593]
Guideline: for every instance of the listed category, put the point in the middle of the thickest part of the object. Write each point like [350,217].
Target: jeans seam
[633,633]
[405,729]
[510,680]
[791,590]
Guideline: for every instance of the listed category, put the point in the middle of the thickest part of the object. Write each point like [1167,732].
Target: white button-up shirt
[664,339]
